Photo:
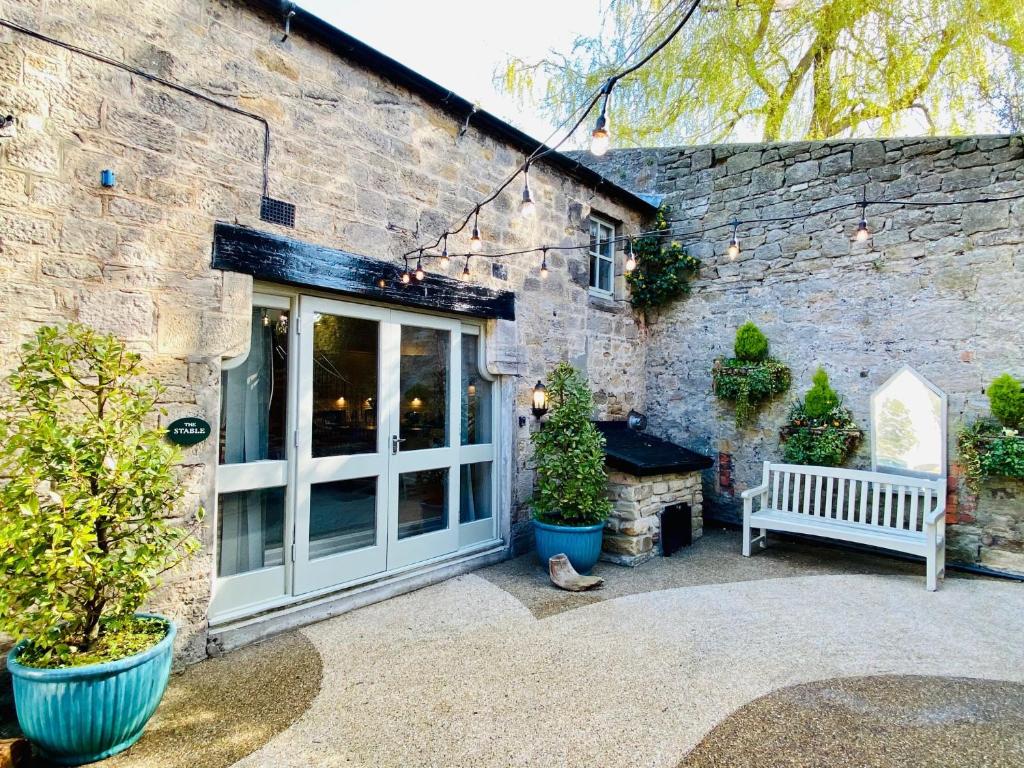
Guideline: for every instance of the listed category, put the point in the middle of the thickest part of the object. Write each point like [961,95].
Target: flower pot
[82,714]
[581,544]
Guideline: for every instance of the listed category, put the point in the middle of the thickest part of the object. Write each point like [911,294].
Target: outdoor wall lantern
[540,400]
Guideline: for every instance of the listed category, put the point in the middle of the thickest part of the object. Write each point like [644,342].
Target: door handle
[396,441]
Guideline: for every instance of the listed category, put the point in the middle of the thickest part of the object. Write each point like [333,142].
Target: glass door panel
[422,520]
[340,526]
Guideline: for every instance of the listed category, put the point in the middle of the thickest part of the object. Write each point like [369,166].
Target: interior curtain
[248,389]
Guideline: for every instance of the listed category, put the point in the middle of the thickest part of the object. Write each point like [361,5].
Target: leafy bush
[821,431]
[569,453]
[1006,399]
[663,270]
[751,377]
[84,528]
[820,399]
[751,345]
[986,449]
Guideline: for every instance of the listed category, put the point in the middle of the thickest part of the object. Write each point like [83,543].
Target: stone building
[268,173]
[376,160]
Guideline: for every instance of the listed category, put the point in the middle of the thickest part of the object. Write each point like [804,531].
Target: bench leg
[747,509]
[764,538]
[931,581]
[932,558]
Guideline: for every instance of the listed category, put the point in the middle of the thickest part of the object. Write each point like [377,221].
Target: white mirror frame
[942,427]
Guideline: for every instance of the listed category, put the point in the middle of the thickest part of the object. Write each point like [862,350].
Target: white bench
[905,514]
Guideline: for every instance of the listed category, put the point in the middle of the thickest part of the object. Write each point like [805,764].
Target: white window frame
[595,253]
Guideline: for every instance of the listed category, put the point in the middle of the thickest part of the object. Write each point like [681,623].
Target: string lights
[734,242]
[544,263]
[445,258]
[601,137]
[527,209]
[476,242]
[419,267]
[630,264]
[862,225]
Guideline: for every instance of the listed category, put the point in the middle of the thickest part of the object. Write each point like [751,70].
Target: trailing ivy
[663,270]
[750,378]
[987,449]
[821,431]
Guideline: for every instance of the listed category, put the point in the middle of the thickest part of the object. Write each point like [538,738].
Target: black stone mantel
[280,259]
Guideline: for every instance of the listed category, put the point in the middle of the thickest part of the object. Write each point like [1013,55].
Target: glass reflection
[250,530]
[422,502]
[253,394]
[345,364]
[475,492]
[342,516]
[907,419]
[476,396]
[424,388]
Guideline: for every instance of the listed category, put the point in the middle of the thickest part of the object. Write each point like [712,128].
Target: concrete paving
[690,664]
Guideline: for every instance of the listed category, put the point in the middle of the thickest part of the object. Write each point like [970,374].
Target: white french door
[356,440]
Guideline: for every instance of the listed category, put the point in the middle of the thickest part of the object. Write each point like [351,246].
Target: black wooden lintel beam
[279,259]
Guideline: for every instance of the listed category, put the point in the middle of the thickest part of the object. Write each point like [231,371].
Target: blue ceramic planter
[582,544]
[83,714]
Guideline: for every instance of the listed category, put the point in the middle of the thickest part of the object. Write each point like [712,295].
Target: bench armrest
[751,493]
[940,511]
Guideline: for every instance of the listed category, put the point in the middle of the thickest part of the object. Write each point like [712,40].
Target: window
[478,451]
[908,426]
[602,256]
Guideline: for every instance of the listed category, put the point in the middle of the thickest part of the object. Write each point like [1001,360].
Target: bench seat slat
[887,538]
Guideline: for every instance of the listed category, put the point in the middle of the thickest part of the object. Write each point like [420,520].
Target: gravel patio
[804,655]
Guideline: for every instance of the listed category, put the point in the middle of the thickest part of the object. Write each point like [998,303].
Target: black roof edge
[359,52]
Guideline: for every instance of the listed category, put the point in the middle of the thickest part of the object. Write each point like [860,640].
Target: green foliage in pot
[751,344]
[821,431]
[572,485]
[1006,399]
[663,269]
[750,378]
[820,400]
[85,512]
[990,448]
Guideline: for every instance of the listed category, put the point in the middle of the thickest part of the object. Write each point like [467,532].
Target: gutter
[358,52]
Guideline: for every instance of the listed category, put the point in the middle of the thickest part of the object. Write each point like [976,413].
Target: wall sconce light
[540,400]
[416,402]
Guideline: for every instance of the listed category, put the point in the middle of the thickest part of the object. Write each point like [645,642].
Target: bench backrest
[852,496]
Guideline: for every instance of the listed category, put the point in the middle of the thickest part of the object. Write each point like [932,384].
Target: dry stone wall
[937,288]
[371,167]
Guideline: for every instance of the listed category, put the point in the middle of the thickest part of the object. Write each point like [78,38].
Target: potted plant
[995,447]
[751,377]
[570,502]
[821,431]
[85,531]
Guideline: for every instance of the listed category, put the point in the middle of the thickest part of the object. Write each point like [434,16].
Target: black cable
[156,79]
[543,149]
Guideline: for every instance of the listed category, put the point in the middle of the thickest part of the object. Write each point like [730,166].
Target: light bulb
[630,263]
[420,274]
[600,138]
[862,231]
[465,272]
[445,259]
[526,208]
[476,242]
[734,248]
[406,277]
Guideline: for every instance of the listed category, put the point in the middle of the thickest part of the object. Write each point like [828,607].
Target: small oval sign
[188,430]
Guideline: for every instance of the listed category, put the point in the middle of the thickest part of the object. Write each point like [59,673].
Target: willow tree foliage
[787,69]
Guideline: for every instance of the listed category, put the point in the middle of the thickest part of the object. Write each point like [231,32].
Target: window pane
[476,395]
[342,516]
[606,275]
[250,530]
[593,235]
[475,492]
[253,394]
[593,271]
[345,353]
[608,248]
[424,388]
[422,502]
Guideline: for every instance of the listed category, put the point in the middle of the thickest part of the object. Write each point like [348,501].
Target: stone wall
[371,167]
[940,289]
[633,530]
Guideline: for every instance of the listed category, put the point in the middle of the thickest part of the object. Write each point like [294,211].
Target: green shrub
[1006,399]
[827,448]
[663,269]
[572,486]
[987,449]
[820,399]
[751,345]
[745,385]
[84,528]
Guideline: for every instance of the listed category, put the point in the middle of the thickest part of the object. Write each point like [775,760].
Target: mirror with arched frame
[908,426]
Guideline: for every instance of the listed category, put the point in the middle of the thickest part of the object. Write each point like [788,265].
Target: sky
[460,43]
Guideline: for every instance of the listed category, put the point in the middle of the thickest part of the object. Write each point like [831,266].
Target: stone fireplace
[645,476]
